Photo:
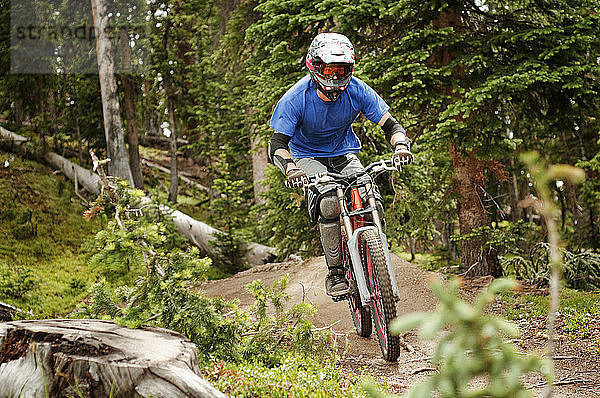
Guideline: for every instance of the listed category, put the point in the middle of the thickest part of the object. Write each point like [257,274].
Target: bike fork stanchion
[359,274]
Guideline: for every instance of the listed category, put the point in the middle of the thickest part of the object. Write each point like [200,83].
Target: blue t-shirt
[320,128]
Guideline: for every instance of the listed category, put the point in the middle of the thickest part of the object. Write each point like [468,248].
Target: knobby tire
[383,306]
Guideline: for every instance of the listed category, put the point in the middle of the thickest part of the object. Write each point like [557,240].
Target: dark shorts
[345,164]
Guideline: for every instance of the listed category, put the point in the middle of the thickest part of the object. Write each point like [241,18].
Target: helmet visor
[341,71]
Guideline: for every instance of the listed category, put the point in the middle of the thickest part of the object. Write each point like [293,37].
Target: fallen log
[160,141]
[84,177]
[10,138]
[97,358]
[183,178]
[199,233]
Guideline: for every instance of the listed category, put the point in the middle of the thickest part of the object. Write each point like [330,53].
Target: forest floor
[577,360]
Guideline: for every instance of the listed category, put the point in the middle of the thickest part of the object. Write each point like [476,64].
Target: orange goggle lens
[341,71]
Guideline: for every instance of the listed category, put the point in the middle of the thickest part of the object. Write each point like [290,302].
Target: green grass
[43,261]
[576,304]
[42,265]
[429,261]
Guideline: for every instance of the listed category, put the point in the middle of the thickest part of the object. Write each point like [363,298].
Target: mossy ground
[44,240]
[42,264]
[438,261]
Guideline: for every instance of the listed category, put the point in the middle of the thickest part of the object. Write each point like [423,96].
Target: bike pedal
[339,297]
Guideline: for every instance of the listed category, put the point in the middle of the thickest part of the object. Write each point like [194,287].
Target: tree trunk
[169,92]
[449,231]
[259,165]
[84,177]
[174,181]
[152,117]
[10,139]
[468,178]
[516,211]
[96,358]
[130,114]
[78,135]
[113,130]
[446,230]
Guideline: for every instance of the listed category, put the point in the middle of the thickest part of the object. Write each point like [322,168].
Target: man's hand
[296,177]
[402,156]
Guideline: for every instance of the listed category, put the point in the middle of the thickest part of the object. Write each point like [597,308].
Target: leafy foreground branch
[542,175]
[471,357]
[273,350]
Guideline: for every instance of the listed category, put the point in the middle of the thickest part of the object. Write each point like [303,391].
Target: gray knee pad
[329,207]
[331,240]
[329,229]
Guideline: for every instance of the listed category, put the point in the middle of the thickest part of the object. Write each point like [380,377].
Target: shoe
[335,283]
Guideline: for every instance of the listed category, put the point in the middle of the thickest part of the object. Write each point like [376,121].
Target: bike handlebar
[374,168]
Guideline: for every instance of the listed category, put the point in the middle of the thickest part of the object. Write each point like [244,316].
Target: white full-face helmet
[330,61]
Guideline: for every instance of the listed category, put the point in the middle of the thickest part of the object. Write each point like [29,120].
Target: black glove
[402,156]
[296,178]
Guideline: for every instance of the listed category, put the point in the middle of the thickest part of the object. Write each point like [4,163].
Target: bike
[373,291]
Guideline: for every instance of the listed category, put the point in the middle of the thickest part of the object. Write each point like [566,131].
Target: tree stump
[97,358]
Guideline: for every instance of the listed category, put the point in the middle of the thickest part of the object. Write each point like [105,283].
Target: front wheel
[383,306]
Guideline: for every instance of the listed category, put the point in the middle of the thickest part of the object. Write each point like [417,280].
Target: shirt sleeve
[285,117]
[373,106]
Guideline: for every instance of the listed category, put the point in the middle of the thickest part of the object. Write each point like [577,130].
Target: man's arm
[394,133]
[397,138]
[279,153]
[280,156]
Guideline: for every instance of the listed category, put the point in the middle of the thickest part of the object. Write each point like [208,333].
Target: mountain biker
[313,133]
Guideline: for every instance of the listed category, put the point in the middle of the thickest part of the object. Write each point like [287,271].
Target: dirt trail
[307,281]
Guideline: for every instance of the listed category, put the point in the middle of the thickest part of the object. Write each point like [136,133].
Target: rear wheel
[383,306]
[361,315]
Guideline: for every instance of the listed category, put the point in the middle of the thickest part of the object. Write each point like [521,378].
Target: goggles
[342,71]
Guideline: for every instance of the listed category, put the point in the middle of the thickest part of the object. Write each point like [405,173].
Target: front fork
[352,238]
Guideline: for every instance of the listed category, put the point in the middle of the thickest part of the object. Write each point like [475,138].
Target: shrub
[581,270]
[17,282]
[273,333]
[161,295]
[299,376]
[473,347]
